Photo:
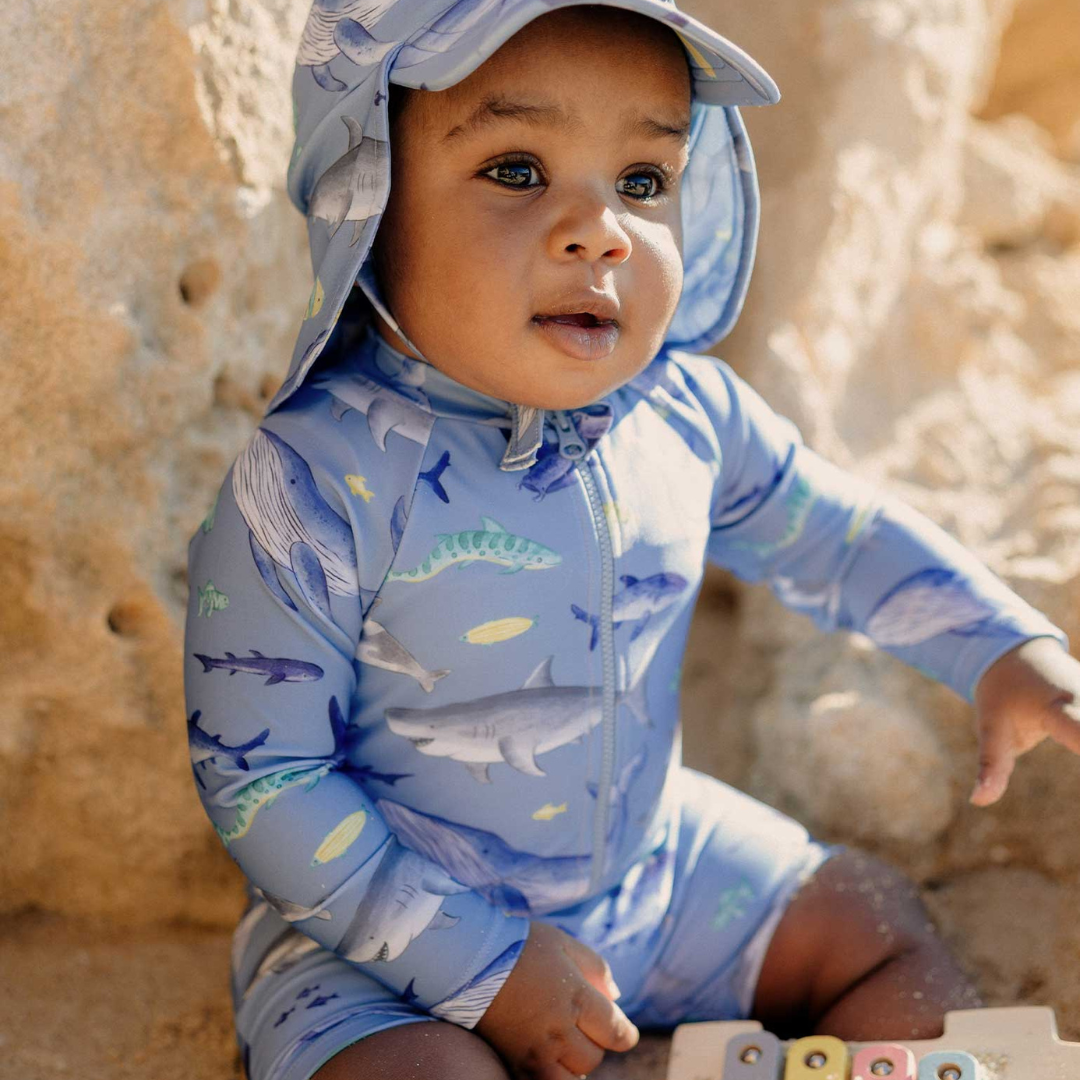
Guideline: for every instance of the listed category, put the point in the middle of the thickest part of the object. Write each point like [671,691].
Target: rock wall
[914,310]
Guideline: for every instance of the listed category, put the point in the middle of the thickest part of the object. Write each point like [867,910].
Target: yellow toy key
[817,1057]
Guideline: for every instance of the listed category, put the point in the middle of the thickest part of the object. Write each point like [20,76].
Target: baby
[433,657]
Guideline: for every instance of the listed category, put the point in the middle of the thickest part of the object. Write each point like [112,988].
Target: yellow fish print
[315,302]
[340,838]
[357,487]
[700,62]
[497,630]
[857,524]
[548,811]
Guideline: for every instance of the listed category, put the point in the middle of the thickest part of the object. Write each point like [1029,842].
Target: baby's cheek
[658,273]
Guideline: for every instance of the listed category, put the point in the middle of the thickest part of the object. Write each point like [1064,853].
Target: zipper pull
[571,444]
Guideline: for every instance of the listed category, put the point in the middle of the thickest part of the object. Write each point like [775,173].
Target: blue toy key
[948,1065]
[757,1055]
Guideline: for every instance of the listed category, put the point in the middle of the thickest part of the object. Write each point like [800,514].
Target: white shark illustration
[289,911]
[292,525]
[516,881]
[511,727]
[286,949]
[467,1004]
[385,410]
[354,187]
[924,605]
[381,649]
[402,900]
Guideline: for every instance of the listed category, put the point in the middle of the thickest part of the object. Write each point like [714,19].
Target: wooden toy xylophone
[1018,1043]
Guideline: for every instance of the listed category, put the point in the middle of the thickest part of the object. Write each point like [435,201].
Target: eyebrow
[496,109]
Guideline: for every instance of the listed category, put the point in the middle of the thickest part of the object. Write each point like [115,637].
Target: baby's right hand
[555,1015]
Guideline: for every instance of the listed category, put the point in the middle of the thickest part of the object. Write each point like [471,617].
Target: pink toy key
[948,1065]
[884,1059]
[756,1055]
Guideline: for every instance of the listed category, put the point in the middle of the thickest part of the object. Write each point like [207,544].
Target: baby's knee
[421,1051]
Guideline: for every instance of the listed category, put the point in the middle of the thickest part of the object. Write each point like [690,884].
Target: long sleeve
[277,604]
[846,553]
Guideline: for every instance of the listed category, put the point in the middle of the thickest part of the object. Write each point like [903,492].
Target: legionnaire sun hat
[353,52]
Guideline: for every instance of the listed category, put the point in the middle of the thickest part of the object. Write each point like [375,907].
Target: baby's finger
[593,966]
[997,757]
[1063,725]
[605,1023]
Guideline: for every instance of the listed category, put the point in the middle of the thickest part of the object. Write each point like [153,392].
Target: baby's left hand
[1026,695]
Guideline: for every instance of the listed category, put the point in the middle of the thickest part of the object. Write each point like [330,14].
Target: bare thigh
[428,1051]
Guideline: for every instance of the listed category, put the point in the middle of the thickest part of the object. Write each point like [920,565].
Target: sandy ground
[95,1002]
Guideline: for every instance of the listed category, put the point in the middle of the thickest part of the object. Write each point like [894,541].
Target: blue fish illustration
[205,747]
[551,471]
[468,1003]
[514,726]
[516,881]
[398,520]
[277,668]
[927,603]
[292,527]
[431,477]
[637,602]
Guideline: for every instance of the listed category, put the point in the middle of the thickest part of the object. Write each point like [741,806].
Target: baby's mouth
[580,335]
[577,318]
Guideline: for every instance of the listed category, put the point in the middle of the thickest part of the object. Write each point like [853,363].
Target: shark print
[636,602]
[431,477]
[251,798]
[292,526]
[381,649]
[277,669]
[385,410]
[354,187]
[798,503]
[467,1005]
[402,900]
[511,727]
[205,747]
[516,881]
[491,544]
[446,31]
[335,29]
[924,604]
[286,950]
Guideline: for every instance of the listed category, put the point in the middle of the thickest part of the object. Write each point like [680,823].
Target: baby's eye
[514,174]
[642,185]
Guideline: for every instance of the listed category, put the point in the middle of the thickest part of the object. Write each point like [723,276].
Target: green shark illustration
[252,797]
[490,544]
[211,600]
[733,904]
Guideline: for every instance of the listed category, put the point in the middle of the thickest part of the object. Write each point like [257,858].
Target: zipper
[572,446]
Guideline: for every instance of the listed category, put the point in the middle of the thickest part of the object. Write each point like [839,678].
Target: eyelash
[654,172]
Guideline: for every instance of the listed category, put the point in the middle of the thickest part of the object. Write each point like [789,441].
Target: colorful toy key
[754,1056]
[884,1059]
[817,1057]
[948,1065]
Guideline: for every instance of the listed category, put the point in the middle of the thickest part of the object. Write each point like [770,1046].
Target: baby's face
[531,247]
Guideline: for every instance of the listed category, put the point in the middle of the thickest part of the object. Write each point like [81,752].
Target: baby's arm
[848,554]
[280,574]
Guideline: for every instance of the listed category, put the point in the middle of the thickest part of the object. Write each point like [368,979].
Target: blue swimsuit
[430,699]
[433,642]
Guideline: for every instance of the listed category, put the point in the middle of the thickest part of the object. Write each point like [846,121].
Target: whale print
[385,410]
[466,1005]
[334,29]
[292,527]
[354,188]
[379,648]
[518,882]
[491,544]
[636,602]
[927,603]
[251,798]
[402,900]
[205,747]
[511,727]
[276,668]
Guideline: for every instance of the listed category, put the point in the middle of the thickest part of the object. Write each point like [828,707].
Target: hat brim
[723,74]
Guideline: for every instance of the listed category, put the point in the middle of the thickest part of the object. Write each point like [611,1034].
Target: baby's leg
[431,1051]
[857,956]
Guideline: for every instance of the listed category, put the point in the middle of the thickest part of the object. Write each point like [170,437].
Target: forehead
[574,56]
